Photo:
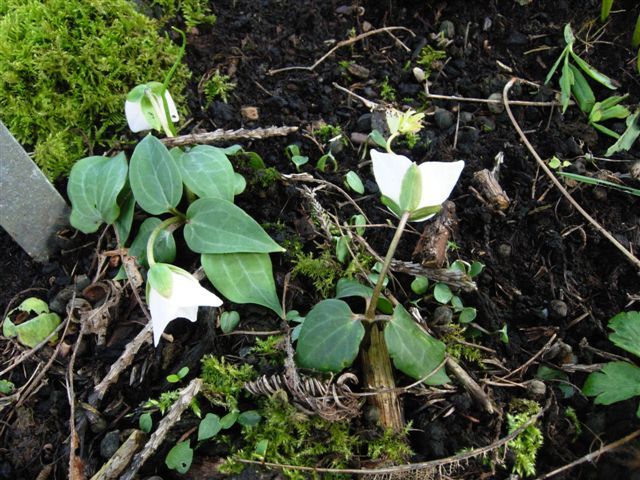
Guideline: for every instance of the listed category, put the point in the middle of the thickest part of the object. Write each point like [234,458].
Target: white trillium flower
[135,115]
[185,296]
[437,180]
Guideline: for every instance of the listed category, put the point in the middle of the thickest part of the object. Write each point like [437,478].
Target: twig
[221,135]
[591,456]
[123,362]
[410,467]
[524,103]
[532,359]
[75,462]
[556,182]
[338,45]
[119,461]
[367,103]
[471,385]
[184,400]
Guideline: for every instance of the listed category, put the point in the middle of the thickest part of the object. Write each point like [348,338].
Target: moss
[193,12]
[224,382]
[324,133]
[429,58]
[526,445]
[218,86]
[324,271]
[459,350]
[65,69]
[270,349]
[387,92]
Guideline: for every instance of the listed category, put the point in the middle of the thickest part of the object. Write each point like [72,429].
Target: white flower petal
[438,180]
[186,296]
[173,111]
[135,117]
[389,169]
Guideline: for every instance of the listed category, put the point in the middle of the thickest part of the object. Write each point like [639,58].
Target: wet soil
[547,273]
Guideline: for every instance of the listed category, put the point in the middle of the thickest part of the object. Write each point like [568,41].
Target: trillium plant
[331,335]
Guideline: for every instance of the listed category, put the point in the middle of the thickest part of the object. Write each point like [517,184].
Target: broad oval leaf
[93,188]
[125,219]
[330,337]
[411,191]
[617,381]
[180,457]
[207,172]
[229,321]
[155,179]
[243,278]
[413,351]
[218,226]
[209,427]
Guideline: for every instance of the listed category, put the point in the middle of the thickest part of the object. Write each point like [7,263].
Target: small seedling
[387,92]
[353,181]
[556,164]
[293,153]
[175,378]
[229,321]
[429,59]
[572,82]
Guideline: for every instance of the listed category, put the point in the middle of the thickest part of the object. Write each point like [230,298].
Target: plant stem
[154,235]
[371,308]
[389,140]
[376,364]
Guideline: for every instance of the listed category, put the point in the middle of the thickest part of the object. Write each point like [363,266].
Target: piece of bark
[431,248]
[491,190]
[121,459]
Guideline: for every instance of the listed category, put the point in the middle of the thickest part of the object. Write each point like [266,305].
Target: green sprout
[429,58]
[387,92]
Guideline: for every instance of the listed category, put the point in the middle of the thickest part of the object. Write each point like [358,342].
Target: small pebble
[504,250]
[442,316]
[559,309]
[336,146]
[466,117]
[536,388]
[110,444]
[496,107]
[363,124]
[444,119]
[448,29]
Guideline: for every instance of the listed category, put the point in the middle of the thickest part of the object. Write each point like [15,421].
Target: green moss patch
[65,69]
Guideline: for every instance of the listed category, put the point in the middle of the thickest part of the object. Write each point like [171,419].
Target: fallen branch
[338,45]
[220,135]
[556,182]
[471,386]
[119,461]
[591,456]
[173,415]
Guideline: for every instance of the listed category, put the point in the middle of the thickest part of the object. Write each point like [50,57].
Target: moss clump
[324,271]
[224,382]
[65,69]
[526,445]
[193,12]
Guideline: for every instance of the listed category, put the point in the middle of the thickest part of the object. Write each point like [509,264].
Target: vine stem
[154,235]
[371,308]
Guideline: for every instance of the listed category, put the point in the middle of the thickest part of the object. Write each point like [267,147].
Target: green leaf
[208,173]
[145,422]
[342,248]
[6,387]
[164,248]
[419,285]
[218,226]
[353,181]
[229,321]
[378,139]
[32,305]
[352,288]
[93,188]
[555,66]
[558,377]
[250,418]
[209,427]
[467,315]
[330,337]
[160,279]
[628,138]
[260,451]
[180,457]
[568,35]
[605,9]
[125,220]
[442,293]
[626,331]
[239,184]
[154,176]
[422,213]
[592,72]
[359,222]
[413,351]
[617,381]
[229,419]
[582,91]
[411,190]
[34,331]
[475,269]
[566,82]
[243,278]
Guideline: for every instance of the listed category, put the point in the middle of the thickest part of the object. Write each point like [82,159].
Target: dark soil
[547,271]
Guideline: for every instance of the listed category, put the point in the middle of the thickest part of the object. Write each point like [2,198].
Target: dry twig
[338,45]
[220,135]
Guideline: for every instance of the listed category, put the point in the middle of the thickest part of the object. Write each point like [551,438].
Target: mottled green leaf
[207,172]
[209,427]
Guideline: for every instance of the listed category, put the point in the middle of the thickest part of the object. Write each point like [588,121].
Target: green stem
[371,309]
[391,139]
[154,235]
[171,131]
